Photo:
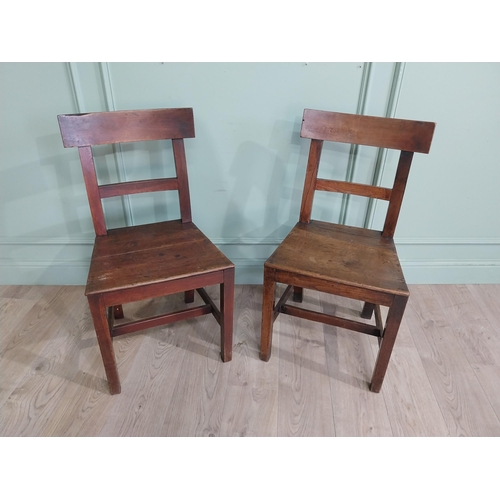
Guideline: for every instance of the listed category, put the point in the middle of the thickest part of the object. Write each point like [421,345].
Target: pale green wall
[247,162]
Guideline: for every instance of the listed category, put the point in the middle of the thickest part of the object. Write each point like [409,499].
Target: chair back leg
[298,294]
[367,311]
[118,312]
[227,313]
[267,315]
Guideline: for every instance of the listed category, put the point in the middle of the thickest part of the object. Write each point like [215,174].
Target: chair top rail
[111,127]
[391,133]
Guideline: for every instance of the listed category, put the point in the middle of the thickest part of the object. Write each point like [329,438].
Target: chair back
[91,129]
[407,136]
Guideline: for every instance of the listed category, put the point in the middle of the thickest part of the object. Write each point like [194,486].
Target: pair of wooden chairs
[153,260]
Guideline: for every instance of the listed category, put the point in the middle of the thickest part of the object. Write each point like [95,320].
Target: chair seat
[151,253]
[347,255]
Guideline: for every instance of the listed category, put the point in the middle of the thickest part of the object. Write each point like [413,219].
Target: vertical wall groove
[353,153]
[76,87]
[378,172]
[117,149]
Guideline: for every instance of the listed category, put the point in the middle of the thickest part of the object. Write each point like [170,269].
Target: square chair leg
[227,314]
[267,315]
[394,318]
[101,325]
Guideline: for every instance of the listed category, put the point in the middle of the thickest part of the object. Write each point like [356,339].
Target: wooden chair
[141,262]
[347,261]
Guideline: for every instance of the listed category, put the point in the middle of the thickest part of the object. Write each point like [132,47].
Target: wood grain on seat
[151,253]
[341,254]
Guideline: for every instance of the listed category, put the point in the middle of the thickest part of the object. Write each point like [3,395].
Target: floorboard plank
[472,329]
[411,404]
[147,389]
[442,379]
[31,335]
[250,406]
[463,403]
[12,312]
[31,407]
[304,397]
[197,402]
[488,299]
[350,363]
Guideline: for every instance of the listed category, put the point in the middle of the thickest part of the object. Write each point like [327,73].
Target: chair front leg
[267,315]
[101,325]
[394,317]
[227,314]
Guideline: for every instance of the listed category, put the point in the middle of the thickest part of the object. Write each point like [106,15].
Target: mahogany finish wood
[391,133]
[353,188]
[351,262]
[162,319]
[356,326]
[91,129]
[134,187]
[142,262]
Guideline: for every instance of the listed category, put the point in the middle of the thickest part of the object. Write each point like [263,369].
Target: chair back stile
[311,180]
[92,187]
[182,179]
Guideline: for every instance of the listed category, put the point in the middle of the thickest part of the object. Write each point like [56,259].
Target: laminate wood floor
[443,378]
